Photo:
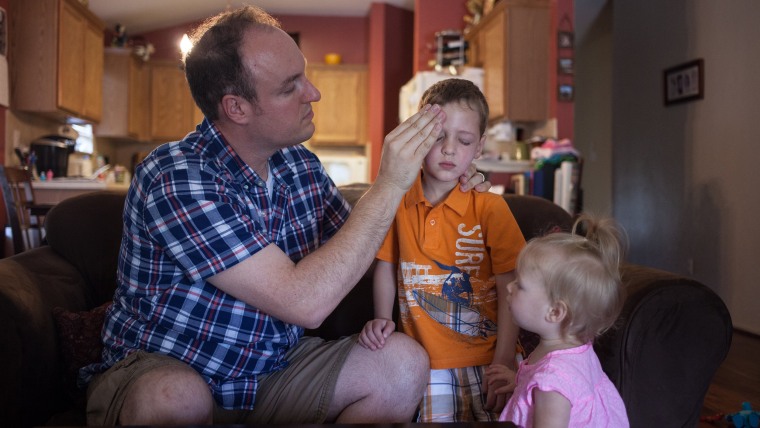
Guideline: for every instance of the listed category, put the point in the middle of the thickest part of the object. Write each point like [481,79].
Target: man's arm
[306,292]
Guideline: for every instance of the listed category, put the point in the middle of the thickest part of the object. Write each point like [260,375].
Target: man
[235,240]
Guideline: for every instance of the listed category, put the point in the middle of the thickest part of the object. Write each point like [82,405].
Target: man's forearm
[342,261]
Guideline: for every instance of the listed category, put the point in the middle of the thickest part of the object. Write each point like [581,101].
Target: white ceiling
[139,16]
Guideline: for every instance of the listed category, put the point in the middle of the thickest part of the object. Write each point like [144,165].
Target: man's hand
[375,332]
[405,147]
[472,179]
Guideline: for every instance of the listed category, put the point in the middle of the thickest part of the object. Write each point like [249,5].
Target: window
[84,142]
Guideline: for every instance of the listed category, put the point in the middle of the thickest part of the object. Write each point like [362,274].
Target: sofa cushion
[86,230]
[79,336]
[538,216]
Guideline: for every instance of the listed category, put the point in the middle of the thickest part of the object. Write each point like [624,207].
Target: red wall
[430,17]
[317,35]
[390,60]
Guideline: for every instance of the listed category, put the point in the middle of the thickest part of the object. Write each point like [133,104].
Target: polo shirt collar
[456,200]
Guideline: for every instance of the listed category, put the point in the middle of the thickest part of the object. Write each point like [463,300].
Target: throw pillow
[79,336]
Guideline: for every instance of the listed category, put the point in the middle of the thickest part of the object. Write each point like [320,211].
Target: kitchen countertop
[78,184]
[509,166]
[58,189]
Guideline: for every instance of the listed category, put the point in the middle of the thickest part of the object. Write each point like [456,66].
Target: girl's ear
[557,312]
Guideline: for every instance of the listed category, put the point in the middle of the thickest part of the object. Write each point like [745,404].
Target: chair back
[11,208]
[29,213]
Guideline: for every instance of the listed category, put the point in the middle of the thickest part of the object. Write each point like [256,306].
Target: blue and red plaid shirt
[193,210]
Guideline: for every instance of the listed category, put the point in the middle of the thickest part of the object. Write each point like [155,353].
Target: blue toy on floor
[745,418]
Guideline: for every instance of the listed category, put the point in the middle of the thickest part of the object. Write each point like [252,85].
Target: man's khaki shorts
[300,393]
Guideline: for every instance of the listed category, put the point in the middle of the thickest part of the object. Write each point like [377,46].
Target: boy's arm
[506,337]
[506,345]
[375,332]
[384,289]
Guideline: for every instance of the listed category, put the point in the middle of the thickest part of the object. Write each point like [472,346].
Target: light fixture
[185,45]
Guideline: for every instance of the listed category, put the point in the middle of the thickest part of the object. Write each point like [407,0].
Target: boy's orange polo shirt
[446,257]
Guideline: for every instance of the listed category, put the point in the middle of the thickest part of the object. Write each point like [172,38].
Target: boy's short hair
[458,90]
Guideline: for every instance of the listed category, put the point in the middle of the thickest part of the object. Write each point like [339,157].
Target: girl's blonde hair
[580,269]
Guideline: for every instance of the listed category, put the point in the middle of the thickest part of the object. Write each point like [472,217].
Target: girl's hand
[500,379]
[375,332]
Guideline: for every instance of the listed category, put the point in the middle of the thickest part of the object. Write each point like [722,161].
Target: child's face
[458,144]
[528,301]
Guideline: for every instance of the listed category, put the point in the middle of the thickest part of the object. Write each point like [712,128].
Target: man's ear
[557,312]
[235,108]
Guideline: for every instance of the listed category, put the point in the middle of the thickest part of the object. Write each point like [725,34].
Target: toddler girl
[568,291]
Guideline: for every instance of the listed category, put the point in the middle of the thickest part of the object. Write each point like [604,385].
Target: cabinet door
[340,117]
[171,106]
[512,45]
[92,76]
[138,109]
[57,58]
[126,96]
[71,36]
[495,70]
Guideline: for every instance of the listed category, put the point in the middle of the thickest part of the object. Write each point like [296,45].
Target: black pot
[52,154]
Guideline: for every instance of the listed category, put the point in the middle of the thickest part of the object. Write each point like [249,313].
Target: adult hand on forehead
[406,146]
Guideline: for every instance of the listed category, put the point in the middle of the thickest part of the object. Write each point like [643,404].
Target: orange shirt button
[432,222]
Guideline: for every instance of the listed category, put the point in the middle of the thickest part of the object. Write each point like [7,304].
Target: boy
[454,254]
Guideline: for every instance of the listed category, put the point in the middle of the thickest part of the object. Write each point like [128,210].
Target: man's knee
[168,395]
[416,363]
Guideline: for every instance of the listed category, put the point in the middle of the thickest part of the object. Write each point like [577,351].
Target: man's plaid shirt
[193,210]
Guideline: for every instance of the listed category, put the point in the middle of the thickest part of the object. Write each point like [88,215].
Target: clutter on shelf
[450,51]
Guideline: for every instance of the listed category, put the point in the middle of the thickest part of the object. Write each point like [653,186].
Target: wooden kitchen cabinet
[512,45]
[126,96]
[57,59]
[173,112]
[340,117]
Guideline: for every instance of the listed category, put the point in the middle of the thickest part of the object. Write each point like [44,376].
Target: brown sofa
[672,335]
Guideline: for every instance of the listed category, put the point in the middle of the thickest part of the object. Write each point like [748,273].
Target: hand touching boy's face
[459,143]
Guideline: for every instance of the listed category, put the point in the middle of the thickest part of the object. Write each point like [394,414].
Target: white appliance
[345,168]
[411,93]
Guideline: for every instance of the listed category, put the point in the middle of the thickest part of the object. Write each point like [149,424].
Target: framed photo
[684,82]
[565,39]
[565,66]
[565,93]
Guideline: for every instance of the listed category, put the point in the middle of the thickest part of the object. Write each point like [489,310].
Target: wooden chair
[24,215]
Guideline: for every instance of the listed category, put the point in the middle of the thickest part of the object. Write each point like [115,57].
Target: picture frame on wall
[565,66]
[565,92]
[684,82]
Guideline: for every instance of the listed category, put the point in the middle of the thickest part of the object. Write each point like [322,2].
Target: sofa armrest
[31,285]
[669,340]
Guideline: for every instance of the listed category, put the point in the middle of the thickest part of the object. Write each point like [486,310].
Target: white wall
[684,176]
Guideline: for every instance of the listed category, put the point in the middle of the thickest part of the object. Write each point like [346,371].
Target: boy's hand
[472,179]
[375,332]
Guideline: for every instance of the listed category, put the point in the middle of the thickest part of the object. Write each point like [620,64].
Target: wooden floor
[737,381]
